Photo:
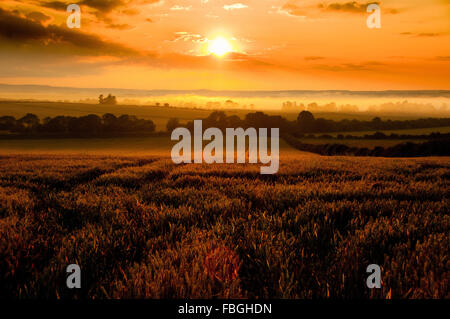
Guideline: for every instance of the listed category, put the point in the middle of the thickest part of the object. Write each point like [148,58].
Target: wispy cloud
[353,7]
[235,6]
[180,8]
[290,9]
[443,58]
[38,17]
[187,36]
[56,5]
[429,34]
[348,67]
[424,34]
[314,58]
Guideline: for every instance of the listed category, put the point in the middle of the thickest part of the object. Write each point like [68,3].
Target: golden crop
[147,228]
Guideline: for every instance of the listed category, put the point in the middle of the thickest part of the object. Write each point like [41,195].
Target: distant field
[361,116]
[156,146]
[143,227]
[359,143]
[417,131]
[114,146]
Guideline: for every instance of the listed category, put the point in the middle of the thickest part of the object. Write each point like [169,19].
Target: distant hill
[46,89]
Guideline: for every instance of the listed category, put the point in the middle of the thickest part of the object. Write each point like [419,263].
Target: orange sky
[289,44]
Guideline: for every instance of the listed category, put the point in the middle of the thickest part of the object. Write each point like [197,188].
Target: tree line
[109,124]
[408,149]
[307,123]
[90,125]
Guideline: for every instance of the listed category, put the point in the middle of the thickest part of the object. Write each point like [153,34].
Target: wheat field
[143,227]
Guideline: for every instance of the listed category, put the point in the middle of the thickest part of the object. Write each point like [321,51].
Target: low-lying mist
[433,103]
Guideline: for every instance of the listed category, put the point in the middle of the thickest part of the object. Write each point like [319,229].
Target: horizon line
[237,93]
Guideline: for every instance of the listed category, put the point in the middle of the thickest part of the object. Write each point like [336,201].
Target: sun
[219,46]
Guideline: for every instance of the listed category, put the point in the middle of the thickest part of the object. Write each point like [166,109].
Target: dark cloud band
[15,28]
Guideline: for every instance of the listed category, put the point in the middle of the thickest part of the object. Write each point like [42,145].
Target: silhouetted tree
[110,99]
[377,123]
[29,123]
[109,122]
[305,121]
[7,123]
[89,125]
[59,124]
[172,124]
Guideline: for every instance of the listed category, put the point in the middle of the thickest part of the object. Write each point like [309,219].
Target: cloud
[353,7]
[104,6]
[429,34]
[180,8]
[56,5]
[19,64]
[424,34]
[291,9]
[123,26]
[130,12]
[38,17]
[232,61]
[19,29]
[314,58]
[443,58]
[186,36]
[346,67]
[235,6]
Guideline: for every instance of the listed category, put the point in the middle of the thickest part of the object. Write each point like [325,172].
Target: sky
[269,44]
